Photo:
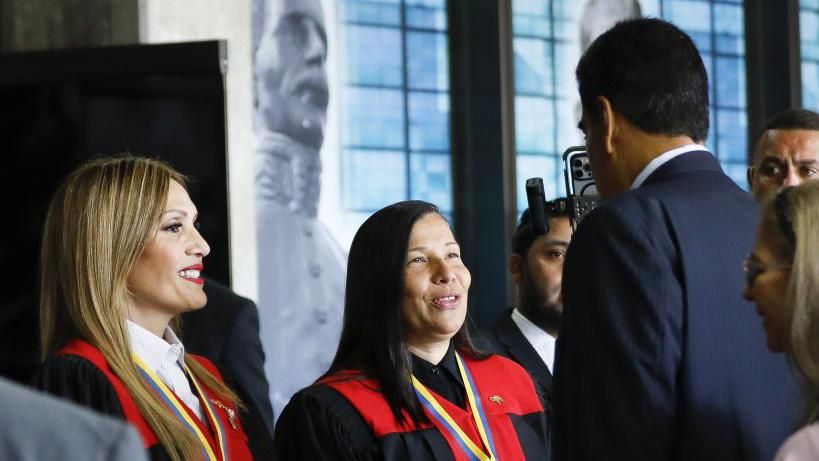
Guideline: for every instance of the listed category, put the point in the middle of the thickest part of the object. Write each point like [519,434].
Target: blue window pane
[435,4]
[533,66]
[808,22]
[396,98]
[809,4]
[730,82]
[373,179]
[737,172]
[810,50]
[729,44]
[728,19]
[531,18]
[691,16]
[534,125]
[702,40]
[374,118]
[431,179]
[707,61]
[371,11]
[809,34]
[732,133]
[710,143]
[566,10]
[373,56]
[531,26]
[566,29]
[531,8]
[541,166]
[429,121]
[426,16]
[566,85]
[810,85]
[427,61]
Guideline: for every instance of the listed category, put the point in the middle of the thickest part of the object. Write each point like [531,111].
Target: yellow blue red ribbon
[478,415]
[170,400]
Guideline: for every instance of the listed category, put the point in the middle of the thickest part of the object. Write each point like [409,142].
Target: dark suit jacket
[659,357]
[226,331]
[509,342]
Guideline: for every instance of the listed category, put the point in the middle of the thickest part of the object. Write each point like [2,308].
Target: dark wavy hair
[652,74]
[373,333]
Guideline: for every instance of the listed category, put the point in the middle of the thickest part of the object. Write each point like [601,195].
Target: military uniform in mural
[301,268]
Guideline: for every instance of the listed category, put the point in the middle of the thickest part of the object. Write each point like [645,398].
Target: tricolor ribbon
[472,450]
[170,400]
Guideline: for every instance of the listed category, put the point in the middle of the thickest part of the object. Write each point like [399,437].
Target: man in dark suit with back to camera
[527,333]
[659,358]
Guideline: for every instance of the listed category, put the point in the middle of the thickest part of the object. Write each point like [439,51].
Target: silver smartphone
[581,190]
[578,173]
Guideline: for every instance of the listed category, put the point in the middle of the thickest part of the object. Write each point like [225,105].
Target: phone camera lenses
[578,174]
[577,163]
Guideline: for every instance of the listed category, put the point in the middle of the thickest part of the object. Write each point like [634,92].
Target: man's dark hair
[524,235]
[373,334]
[652,74]
[793,119]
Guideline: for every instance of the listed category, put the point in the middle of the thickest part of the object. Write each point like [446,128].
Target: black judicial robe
[80,373]
[345,417]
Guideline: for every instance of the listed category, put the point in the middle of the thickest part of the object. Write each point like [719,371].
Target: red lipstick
[185,273]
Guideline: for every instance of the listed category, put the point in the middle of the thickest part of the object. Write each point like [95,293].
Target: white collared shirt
[661,160]
[543,342]
[165,357]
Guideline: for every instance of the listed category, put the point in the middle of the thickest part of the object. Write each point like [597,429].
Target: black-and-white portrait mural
[301,267]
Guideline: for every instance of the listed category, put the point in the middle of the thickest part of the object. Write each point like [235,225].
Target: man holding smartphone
[659,358]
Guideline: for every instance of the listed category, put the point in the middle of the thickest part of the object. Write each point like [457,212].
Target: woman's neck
[433,352]
[152,322]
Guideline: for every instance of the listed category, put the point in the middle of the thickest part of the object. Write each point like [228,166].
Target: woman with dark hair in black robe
[406,381]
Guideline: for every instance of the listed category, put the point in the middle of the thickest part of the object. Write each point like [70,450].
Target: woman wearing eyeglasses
[783,282]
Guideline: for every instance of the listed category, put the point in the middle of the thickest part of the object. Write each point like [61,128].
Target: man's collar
[526,326]
[661,160]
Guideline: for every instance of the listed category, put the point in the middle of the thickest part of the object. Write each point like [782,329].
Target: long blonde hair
[100,220]
[798,208]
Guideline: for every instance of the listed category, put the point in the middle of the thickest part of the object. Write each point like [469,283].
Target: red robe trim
[236,439]
[504,389]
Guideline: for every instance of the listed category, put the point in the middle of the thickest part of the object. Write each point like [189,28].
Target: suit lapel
[519,349]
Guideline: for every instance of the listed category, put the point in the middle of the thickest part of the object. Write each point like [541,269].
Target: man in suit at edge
[787,153]
[37,427]
[527,333]
[659,358]
[226,331]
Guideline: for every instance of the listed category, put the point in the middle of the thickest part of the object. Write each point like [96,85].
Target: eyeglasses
[753,268]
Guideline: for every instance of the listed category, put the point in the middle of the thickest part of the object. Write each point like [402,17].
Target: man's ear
[515,266]
[609,123]
[749,174]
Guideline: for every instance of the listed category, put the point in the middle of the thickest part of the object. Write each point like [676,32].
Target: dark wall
[164,101]
[482,160]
